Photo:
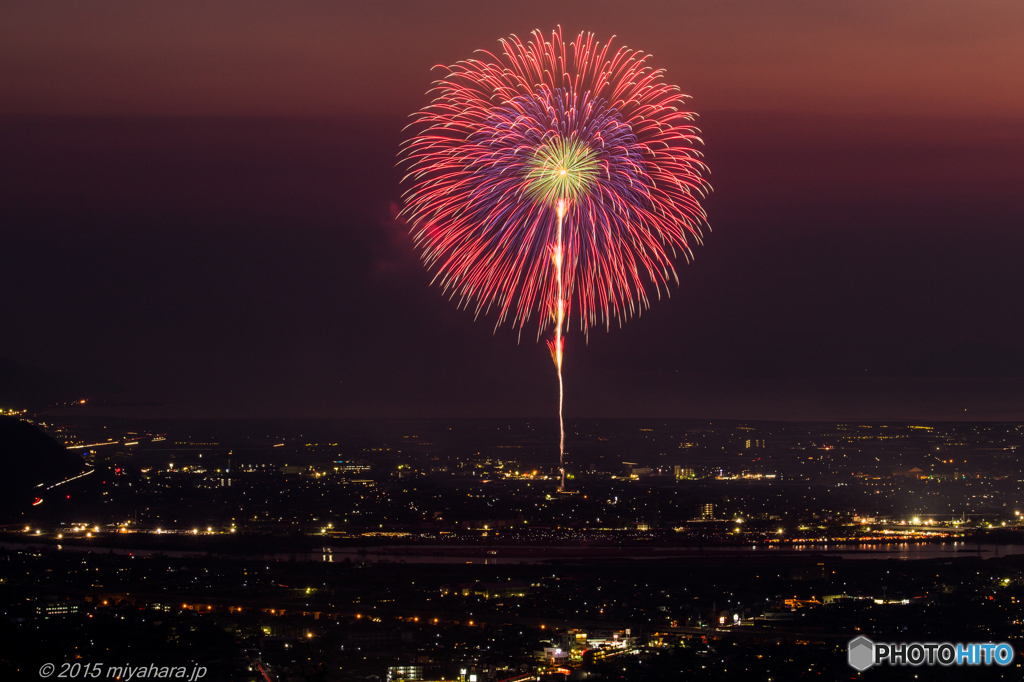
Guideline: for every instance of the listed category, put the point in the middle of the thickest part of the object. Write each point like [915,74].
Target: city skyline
[412,550]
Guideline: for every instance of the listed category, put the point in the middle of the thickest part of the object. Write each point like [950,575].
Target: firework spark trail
[562,150]
[559,347]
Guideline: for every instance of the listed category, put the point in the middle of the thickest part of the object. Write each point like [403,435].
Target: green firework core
[561,169]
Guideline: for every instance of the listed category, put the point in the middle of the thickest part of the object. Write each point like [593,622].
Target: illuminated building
[401,673]
[683,473]
[57,608]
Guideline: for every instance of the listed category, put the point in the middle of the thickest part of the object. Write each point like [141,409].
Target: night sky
[197,203]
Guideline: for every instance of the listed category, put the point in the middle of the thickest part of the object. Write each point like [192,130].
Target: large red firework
[568,153]
[514,145]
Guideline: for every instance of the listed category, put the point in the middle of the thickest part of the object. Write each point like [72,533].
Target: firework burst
[557,179]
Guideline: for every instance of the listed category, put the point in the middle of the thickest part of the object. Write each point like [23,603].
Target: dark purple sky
[196,202]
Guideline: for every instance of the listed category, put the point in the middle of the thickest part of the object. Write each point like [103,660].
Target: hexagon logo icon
[860,653]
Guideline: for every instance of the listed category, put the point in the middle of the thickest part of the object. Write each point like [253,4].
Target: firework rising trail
[551,152]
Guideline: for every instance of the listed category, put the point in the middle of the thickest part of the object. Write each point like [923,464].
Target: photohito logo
[862,653]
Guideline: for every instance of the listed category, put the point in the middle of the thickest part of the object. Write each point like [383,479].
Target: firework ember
[558,179]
